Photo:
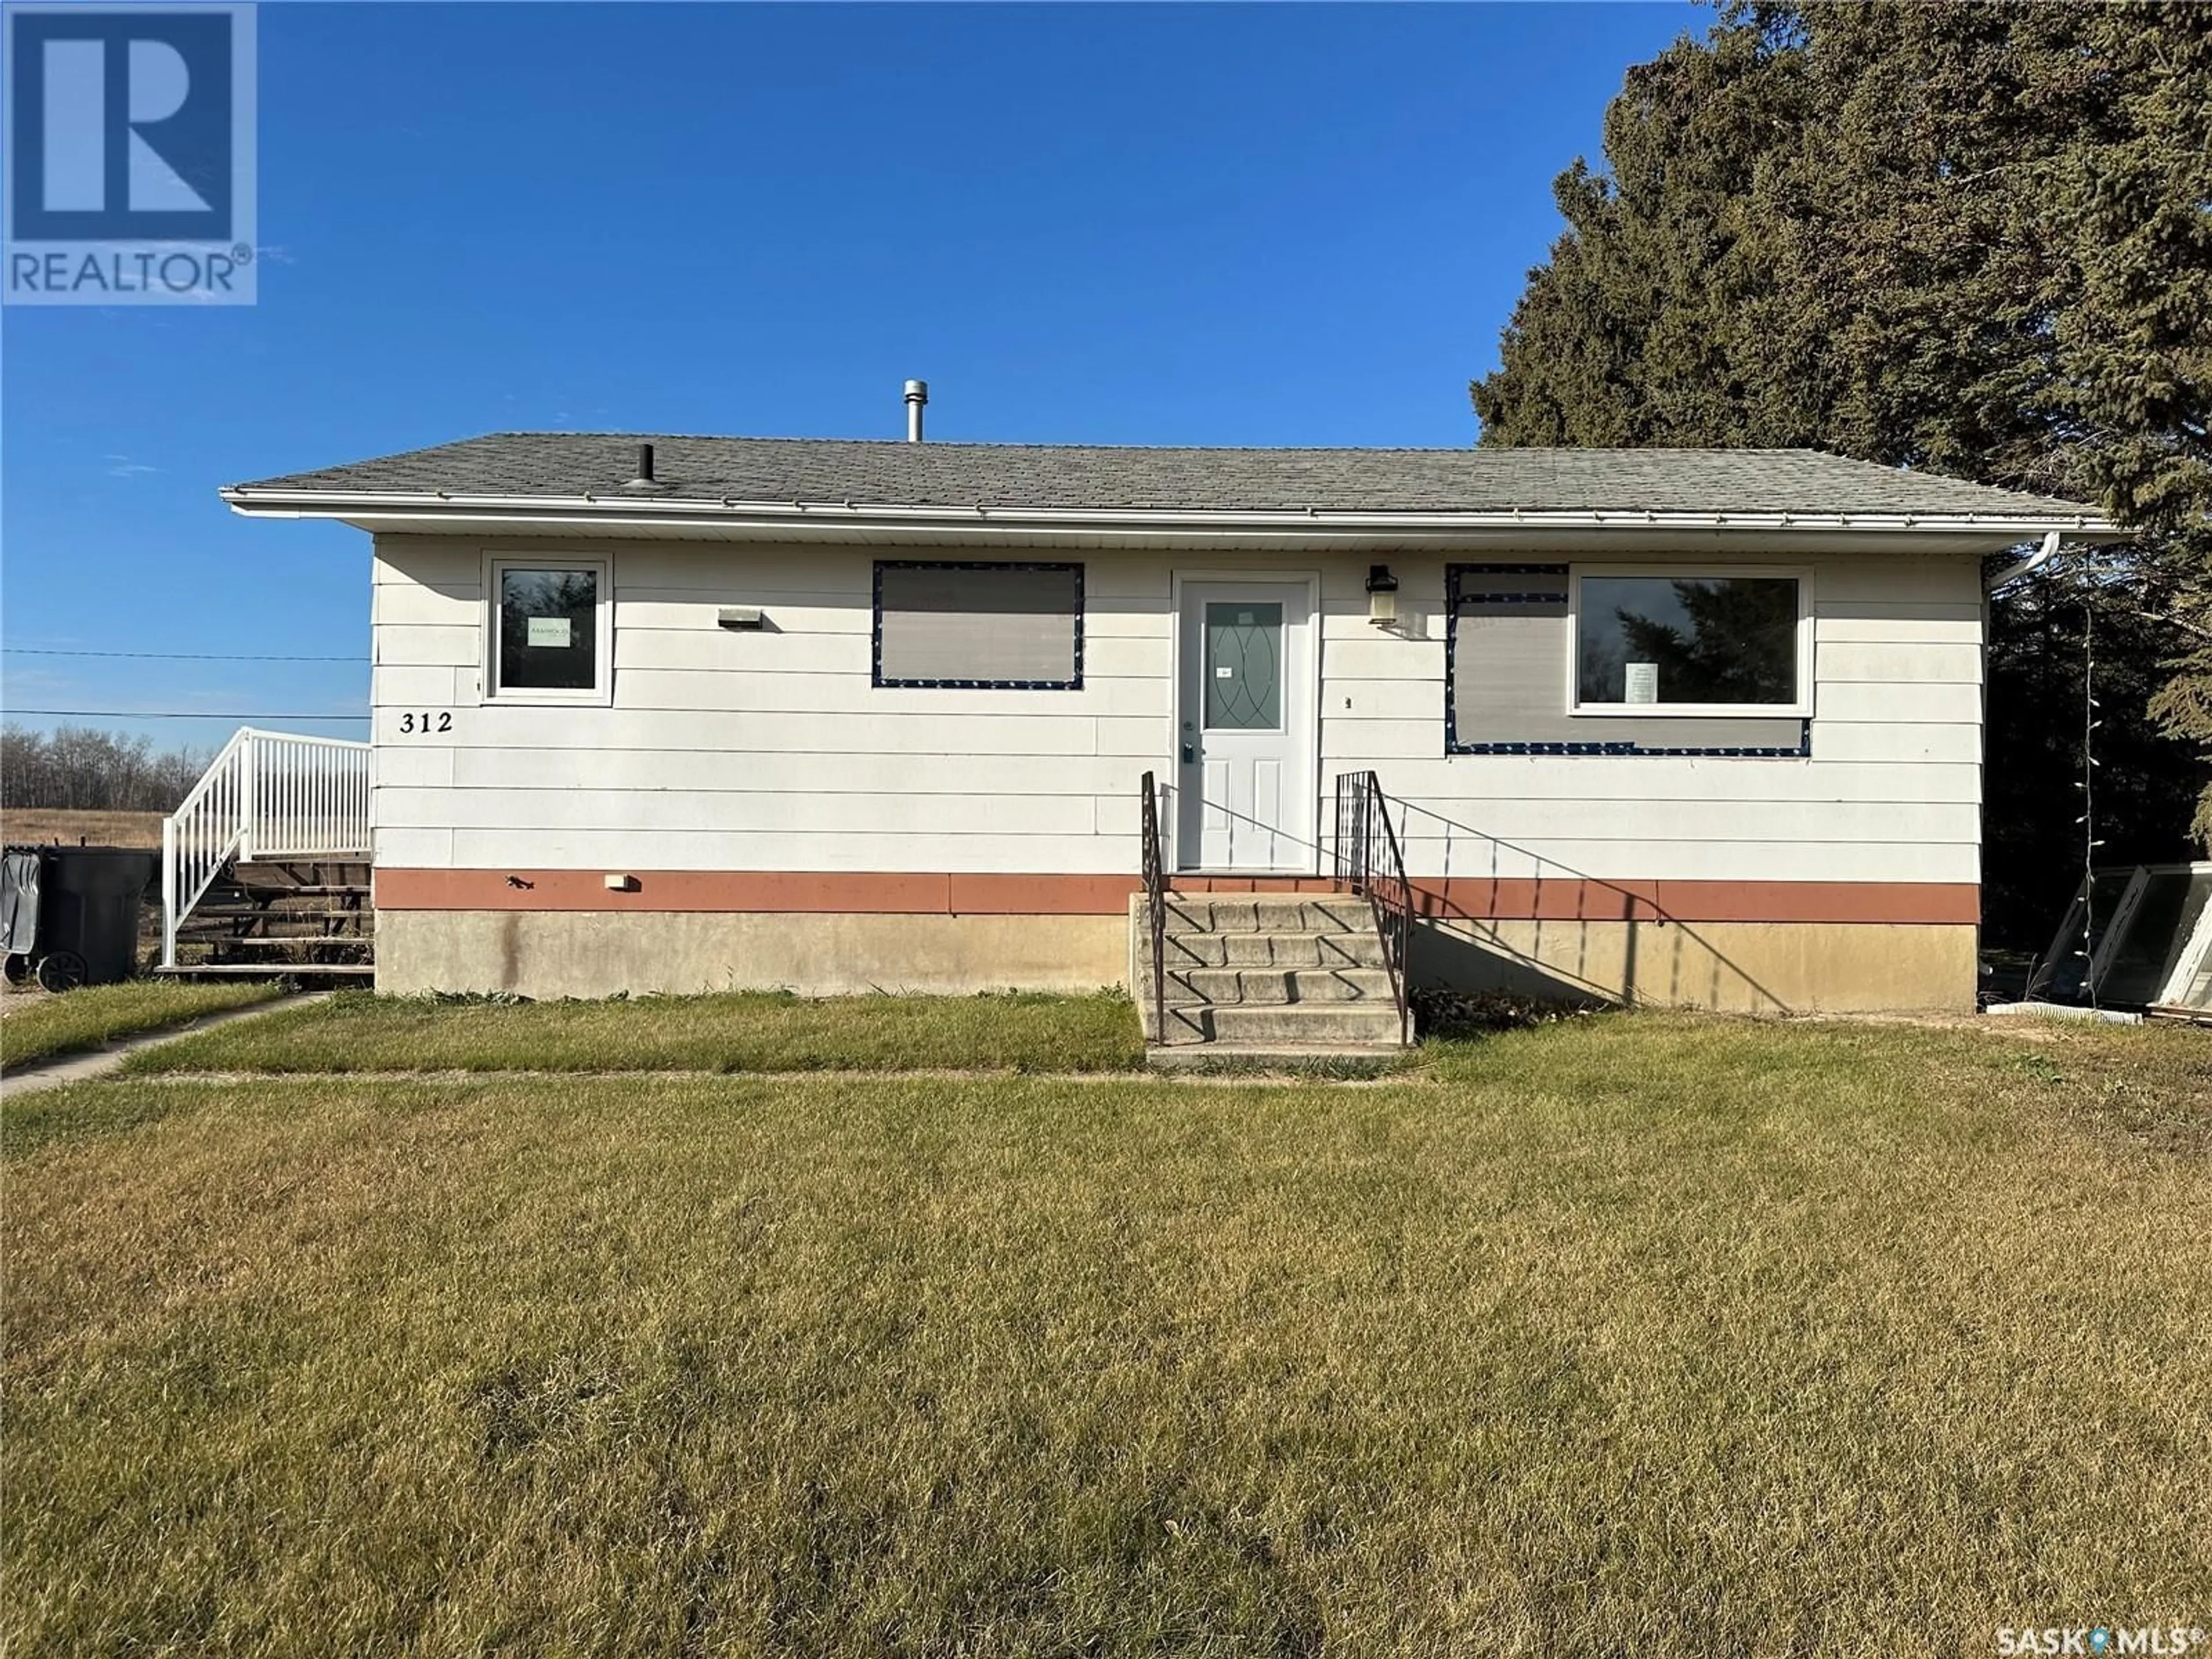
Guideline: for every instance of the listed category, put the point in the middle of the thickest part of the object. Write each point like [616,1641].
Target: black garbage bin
[88,903]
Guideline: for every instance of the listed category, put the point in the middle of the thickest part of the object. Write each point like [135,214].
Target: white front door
[1245,737]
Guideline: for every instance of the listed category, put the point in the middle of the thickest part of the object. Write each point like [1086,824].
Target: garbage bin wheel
[64,970]
[17,968]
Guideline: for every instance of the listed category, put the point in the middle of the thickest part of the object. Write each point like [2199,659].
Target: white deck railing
[267,795]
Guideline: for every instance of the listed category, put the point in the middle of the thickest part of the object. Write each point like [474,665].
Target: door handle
[1189,755]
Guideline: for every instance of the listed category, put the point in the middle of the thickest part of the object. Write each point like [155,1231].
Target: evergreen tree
[1971,239]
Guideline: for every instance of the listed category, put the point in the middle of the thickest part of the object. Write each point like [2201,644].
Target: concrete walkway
[35,1075]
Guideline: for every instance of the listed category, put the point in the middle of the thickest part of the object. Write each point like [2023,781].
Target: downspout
[2033,561]
[2040,971]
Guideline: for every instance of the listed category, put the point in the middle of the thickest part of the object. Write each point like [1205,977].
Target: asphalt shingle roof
[570,465]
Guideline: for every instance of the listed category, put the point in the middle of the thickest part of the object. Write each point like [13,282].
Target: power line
[167,656]
[174,714]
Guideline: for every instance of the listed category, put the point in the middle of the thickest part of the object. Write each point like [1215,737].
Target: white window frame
[602,692]
[1800,706]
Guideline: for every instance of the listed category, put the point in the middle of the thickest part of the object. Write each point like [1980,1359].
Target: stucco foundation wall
[598,953]
[1768,968]
[1743,967]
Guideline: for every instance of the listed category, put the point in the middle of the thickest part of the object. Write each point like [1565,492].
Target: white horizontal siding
[1893,663]
[1150,742]
[398,606]
[1841,584]
[1418,701]
[672,731]
[418,849]
[693,613]
[1931,624]
[431,644]
[737,691]
[859,849]
[418,686]
[1634,780]
[676,610]
[1353,739]
[1704,837]
[730,748]
[1543,822]
[1600,782]
[1883,744]
[749,810]
[825,772]
[1943,703]
[1370,656]
[788,651]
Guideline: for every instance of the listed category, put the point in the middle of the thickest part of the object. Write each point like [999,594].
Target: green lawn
[742,1031]
[1639,1335]
[37,1027]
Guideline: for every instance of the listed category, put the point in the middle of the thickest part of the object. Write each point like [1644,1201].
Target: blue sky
[1154,224]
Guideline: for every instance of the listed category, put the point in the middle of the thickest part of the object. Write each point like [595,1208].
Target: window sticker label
[553,631]
[1642,682]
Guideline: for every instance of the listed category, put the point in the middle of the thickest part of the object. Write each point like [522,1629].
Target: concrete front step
[1301,969]
[1294,1022]
[1263,912]
[1275,985]
[1284,951]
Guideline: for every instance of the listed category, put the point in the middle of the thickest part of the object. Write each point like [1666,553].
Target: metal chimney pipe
[917,395]
[644,464]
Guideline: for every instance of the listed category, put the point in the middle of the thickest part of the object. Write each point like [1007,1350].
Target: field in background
[1637,1334]
[42,825]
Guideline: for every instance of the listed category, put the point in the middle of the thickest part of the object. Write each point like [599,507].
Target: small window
[550,633]
[1677,643]
[991,627]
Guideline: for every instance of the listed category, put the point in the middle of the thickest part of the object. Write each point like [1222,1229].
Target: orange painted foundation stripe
[903,893]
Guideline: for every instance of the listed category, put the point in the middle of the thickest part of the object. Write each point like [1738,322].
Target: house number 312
[411,722]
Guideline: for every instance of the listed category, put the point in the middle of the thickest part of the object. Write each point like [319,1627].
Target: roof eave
[616,508]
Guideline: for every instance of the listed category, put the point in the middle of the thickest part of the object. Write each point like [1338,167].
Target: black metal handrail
[1369,863]
[1156,908]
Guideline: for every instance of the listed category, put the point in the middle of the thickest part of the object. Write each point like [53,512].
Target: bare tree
[81,768]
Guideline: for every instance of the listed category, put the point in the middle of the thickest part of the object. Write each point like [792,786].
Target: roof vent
[644,481]
[917,395]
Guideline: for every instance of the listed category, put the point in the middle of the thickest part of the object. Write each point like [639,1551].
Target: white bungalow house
[657,713]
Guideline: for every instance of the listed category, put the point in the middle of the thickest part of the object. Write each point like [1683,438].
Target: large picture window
[549,625]
[1627,660]
[992,627]
[1667,643]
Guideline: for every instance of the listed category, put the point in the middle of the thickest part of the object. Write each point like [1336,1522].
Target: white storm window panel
[2137,936]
